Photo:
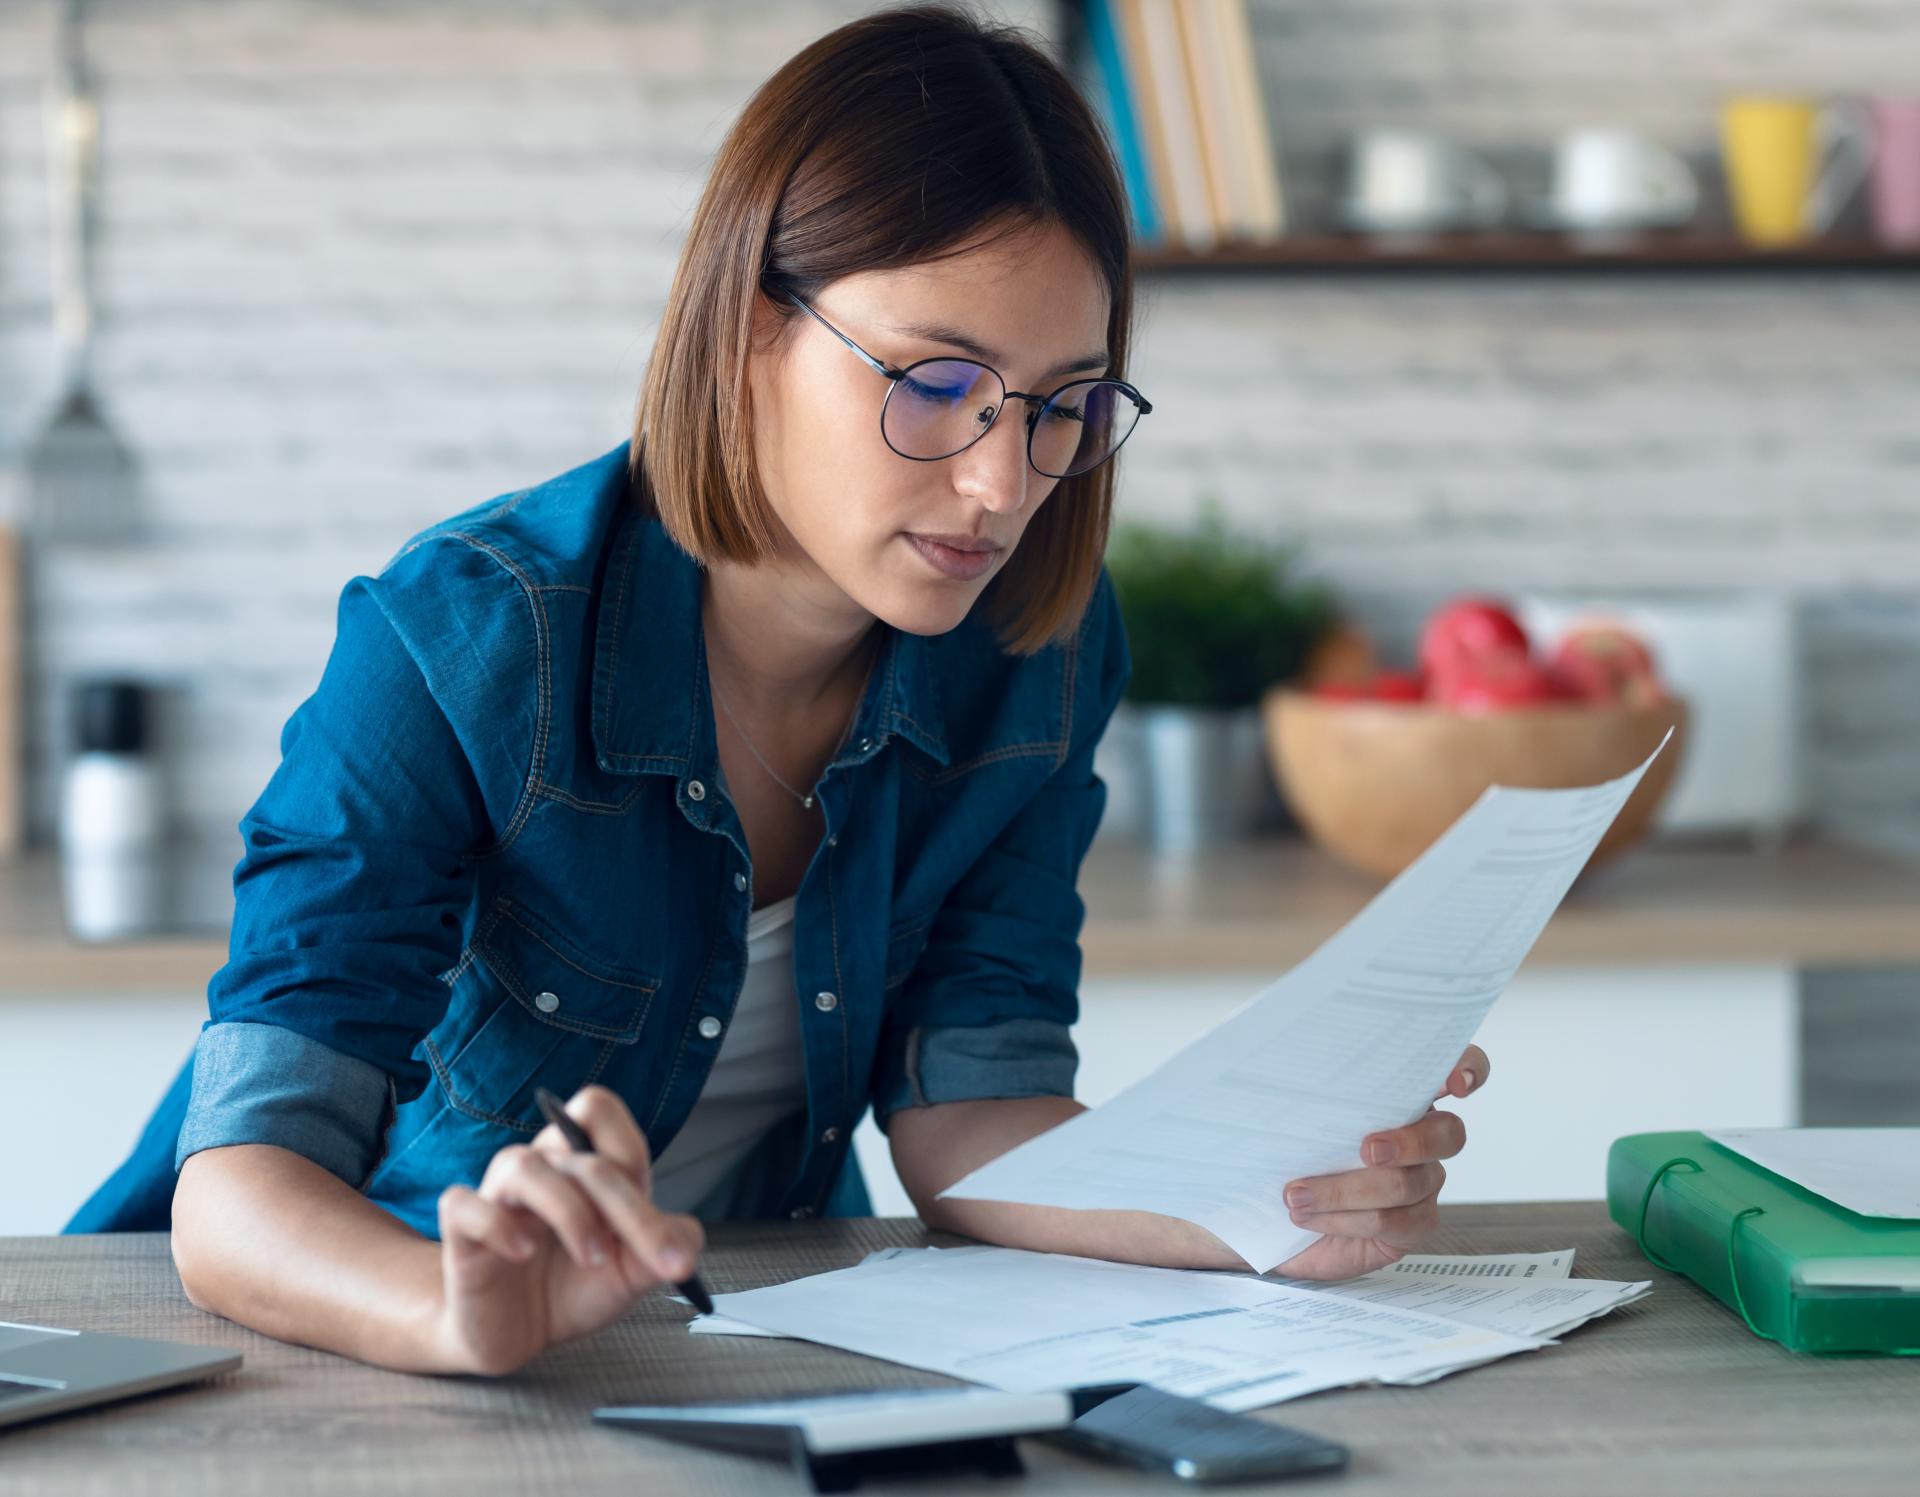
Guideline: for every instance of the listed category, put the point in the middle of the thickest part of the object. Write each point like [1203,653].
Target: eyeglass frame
[894,376]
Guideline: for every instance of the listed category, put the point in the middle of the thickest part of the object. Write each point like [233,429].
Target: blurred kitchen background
[1458,298]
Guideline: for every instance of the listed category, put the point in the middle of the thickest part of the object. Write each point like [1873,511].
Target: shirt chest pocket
[531,1009]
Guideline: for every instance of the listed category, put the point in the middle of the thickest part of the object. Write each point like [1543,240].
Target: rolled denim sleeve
[989,1007]
[266,1084]
[351,898]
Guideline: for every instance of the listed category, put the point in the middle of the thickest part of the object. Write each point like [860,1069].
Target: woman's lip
[950,560]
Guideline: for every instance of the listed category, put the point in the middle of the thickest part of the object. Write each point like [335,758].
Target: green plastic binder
[1797,1268]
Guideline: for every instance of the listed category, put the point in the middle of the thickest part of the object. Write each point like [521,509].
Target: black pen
[575,1135]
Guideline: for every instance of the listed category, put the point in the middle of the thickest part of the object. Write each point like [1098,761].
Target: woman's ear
[770,321]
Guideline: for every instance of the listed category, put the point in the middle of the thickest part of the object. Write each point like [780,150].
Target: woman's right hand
[554,1244]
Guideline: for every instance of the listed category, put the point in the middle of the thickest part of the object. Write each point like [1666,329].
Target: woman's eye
[934,392]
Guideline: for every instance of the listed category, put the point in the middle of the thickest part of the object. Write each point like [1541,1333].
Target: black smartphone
[1194,1441]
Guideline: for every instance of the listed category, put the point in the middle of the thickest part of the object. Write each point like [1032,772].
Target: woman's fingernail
[674,1262]
[1469,1079]
[523,1244]
[1299,1198]
[1381,1151]
[596,1251]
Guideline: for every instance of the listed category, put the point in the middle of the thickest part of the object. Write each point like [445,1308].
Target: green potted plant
[1213,618]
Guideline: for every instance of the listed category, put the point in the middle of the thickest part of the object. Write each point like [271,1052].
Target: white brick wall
[366,264]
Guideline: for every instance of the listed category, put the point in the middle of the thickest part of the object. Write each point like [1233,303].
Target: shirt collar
[651,706]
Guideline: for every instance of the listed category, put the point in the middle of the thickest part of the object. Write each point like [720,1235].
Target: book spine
[1266,201]
[1182,173]
[1206,92]
[1122,119]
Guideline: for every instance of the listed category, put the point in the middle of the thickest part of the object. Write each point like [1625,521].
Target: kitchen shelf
[1455,253]
[1260,906]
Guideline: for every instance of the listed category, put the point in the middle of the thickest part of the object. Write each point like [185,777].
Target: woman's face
[859,518]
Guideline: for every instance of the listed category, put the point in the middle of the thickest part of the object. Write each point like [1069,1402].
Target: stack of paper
[1025,1321]
[1870,1171]
[1523,1294]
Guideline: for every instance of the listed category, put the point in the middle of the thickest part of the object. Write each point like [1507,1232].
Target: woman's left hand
[1378,1214]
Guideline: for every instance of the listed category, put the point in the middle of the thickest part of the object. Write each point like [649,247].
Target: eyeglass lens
[941,406]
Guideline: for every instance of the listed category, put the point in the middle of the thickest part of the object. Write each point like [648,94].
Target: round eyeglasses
[937,407]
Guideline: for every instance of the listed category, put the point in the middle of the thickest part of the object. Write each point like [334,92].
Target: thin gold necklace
[806,801]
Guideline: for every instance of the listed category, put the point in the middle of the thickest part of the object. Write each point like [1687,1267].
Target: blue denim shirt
[498,853]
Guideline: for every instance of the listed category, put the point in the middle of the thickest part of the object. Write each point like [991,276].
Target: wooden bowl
[1376,782]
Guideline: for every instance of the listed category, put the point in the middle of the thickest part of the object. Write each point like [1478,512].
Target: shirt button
[865,744]
[710,1028]
[830,1136]
[825,1002]
[740,883]
[695,790]
[801,1213]
[546,1002]
[834,840]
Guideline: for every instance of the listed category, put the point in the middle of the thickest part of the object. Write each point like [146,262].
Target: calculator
[1194,1441]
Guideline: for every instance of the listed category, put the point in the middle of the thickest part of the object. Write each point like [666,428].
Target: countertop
[1259,907]
[1670,1396]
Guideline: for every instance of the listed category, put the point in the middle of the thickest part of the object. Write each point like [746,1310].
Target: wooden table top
[1671,1395]
[1261,906]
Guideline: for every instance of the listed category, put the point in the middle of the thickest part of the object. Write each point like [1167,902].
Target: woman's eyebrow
[939,332]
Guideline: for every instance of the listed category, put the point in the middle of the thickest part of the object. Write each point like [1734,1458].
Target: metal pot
[1204,776]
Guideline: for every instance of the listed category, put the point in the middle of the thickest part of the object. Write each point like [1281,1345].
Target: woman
[726,785]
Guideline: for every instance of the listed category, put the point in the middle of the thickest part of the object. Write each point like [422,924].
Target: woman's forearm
[267,1238]
[934,1146]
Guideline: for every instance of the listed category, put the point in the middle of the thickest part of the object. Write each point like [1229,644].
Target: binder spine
[1736,1213]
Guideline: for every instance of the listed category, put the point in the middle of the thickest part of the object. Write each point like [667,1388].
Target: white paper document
[1026,1322]
[1428,1274]
[1555,1265]
[1528,1297]
[1874,1171]
[1358,1038]
[1519,1304]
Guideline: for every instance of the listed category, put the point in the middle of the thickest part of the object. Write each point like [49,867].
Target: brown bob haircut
[900,138]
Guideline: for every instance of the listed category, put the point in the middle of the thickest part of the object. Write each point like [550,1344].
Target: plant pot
[1204,774]
[1120,762]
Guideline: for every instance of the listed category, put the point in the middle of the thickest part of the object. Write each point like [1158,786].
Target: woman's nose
[994,469]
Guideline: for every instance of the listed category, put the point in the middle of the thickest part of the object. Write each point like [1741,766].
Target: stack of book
[1180,91]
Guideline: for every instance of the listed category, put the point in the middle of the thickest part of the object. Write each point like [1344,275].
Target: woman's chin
[930,615]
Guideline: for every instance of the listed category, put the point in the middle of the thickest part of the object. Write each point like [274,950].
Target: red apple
[1602,661]
[1396,686]
[1494,680]
[1466,628]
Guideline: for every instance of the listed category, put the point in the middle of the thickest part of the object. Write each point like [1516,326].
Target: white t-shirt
[757,1080]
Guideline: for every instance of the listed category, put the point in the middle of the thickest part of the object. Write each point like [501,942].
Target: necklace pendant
[807,802]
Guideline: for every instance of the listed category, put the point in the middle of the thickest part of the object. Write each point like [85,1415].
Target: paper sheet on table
[1874,1171]
[1028,1321]
[717,1324]
[1521,1307]
[1554,1265]
[1512,1292]
[1359,1037]
[1425,1265]
[1522,1294]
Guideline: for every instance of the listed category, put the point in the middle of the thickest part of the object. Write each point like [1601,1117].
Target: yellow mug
[1791,163]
